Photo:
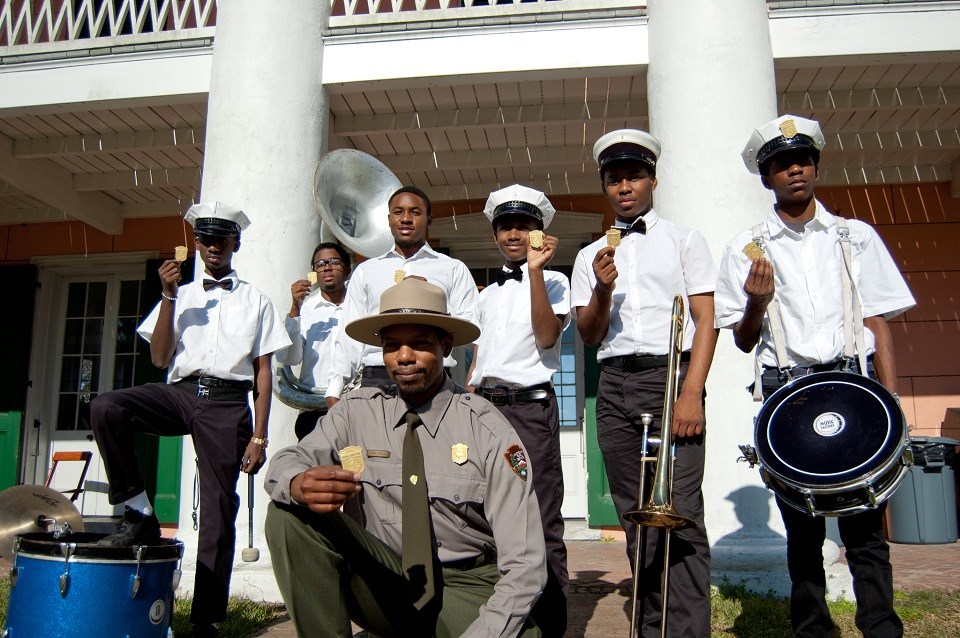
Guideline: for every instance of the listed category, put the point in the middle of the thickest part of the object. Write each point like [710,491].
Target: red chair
[71,456]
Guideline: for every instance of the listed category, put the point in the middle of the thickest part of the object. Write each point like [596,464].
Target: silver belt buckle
[203,391]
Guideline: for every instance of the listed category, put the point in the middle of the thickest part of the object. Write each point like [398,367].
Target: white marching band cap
[519,200]
[784,133]
[627,143]
[216,218]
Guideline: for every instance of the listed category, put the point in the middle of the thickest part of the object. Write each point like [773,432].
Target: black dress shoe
[205,631]
[135,528]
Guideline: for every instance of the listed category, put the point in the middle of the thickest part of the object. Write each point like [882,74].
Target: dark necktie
[504,276]
[639,226]
[210,284]
[417,554]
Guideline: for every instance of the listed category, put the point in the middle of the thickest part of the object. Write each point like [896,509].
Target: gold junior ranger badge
[517,460]
[399,275]
[312,277]
[351,458]
[788,128]
[536,239]
[753,251]
[458,453]
[180,253]
[613,237]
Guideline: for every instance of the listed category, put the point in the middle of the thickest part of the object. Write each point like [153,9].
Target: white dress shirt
[374,276]
[314,335]
[652,268]
[806,270]
[220,332]
[507,351]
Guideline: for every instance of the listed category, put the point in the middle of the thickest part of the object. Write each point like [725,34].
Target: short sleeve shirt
[220,332]
[652,268]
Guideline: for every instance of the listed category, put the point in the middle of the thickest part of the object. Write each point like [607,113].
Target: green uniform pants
[331,572]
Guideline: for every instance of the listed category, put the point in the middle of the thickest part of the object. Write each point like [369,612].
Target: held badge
[753,251]
[399,275]
[458,453]
[312,277]
[536,239]
[180,253]
[351,458]
[613,237]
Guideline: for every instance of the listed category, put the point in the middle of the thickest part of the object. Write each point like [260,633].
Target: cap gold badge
[788,128]
[536,239]
[399,275]
[351,458]
[458,453]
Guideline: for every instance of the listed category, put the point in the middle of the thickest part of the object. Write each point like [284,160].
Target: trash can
[923,510]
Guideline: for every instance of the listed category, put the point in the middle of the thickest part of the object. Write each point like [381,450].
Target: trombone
[659,510]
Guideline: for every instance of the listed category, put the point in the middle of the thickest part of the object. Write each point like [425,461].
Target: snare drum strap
[852,311]
[776,331]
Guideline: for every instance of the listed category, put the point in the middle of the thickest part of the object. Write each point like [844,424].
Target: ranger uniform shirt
[220,332]
[806,268]
[481,499]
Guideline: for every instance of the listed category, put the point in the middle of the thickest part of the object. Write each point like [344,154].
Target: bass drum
[832,443]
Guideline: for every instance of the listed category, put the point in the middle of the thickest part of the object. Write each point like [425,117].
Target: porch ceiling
[885,123]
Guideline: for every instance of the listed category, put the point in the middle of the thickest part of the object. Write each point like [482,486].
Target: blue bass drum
[73,587]
[832,443]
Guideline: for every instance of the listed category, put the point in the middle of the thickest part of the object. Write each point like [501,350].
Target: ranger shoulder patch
[517,460]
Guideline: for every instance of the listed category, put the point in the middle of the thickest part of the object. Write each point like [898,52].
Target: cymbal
[22,505]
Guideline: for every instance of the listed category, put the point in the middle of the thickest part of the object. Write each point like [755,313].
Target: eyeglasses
[333,263]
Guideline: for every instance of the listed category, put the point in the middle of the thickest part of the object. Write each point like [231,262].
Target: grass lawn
[931,614]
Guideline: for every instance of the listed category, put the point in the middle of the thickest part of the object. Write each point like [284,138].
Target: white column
[266,130]
[710,83]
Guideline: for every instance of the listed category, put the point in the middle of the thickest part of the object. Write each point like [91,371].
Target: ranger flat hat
[519,200]
[627,143]
[412,301]
[216,218]
[782,134]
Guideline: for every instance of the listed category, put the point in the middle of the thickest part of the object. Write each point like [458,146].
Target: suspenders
[853,338]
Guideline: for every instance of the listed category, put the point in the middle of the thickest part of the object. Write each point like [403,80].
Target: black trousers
[221,431]
[867,553]
[621,398]
[538,425]
[868,557]
[307,421]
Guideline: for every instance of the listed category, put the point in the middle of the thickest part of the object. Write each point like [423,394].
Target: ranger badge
[351,458]
[458,453]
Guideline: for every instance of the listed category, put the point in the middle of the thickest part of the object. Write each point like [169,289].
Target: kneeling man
[452,542]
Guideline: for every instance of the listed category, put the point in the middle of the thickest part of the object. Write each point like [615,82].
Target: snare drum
[832,443]
[73,587]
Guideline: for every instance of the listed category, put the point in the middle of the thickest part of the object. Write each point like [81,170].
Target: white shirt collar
[649,218]
[822,220]
[424,250]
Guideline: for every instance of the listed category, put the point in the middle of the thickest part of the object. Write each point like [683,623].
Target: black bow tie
[210,284]
[639,226]
[505,275]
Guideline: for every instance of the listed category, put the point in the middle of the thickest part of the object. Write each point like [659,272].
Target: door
[600,504]
[92,348]
[569,387]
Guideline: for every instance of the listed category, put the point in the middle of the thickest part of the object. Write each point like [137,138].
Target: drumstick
[250,553]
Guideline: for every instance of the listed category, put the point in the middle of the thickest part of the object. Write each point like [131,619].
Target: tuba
[350,192]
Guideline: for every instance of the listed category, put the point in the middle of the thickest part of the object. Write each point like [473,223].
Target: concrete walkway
[601,581]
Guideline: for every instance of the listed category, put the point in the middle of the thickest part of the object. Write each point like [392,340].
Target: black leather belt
[466,564]
[638,362]
[502,395]
[215,388]
[772,376]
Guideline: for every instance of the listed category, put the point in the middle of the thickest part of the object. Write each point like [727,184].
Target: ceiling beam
[634,111]
[919,97]
[902,174]
[106,142]
[147,178]
[51,184]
